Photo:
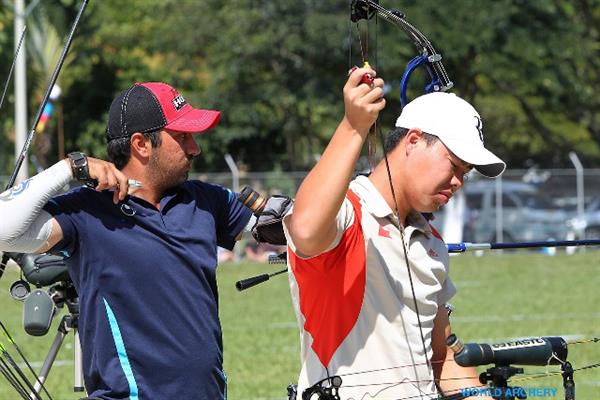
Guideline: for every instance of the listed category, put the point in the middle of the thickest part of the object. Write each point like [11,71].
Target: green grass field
[499,297]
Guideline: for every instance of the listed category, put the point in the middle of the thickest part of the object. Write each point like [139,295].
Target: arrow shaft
[466,246]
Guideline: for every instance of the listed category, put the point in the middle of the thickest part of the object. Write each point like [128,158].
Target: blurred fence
[523,205]
[559,185]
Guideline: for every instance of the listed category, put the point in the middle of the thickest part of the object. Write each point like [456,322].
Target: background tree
[276,70]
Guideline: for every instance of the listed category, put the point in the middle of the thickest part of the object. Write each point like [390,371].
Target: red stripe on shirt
[436,233]
[332,287]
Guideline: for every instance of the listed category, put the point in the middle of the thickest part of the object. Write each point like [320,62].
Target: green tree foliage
[7,111]
[276,70]
[531,68]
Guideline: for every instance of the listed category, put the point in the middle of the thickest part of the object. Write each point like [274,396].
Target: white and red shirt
[354,303]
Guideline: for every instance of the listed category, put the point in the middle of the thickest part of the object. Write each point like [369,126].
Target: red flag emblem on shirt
[383,232]
[432,253]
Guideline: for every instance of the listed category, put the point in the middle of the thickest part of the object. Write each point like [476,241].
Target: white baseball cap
[457,124]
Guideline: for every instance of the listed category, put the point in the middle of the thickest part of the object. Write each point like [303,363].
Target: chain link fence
[524,205]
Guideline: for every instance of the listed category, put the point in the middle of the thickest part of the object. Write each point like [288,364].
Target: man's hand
[450,376]
[363,102]
[108,177]
[312,226]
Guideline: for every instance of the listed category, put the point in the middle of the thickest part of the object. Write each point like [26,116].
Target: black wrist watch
[79,165]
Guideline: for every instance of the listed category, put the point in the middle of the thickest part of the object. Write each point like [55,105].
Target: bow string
[335,382]
[366,10]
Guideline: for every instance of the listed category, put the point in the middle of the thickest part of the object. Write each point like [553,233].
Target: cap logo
[179,102]
[479,127]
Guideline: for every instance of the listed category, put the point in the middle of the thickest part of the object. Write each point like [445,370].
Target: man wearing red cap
[140,246]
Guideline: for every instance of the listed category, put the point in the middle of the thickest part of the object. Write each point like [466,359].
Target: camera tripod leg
[67,323]
[78,379]
[56,344]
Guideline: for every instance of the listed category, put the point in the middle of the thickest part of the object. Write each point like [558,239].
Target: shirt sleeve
[448,291]
[232,219]
[64,209]
[343,220]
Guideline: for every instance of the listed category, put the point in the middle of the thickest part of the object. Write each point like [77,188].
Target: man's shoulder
[81,197]
[197,184]
[78,193]
[211,190]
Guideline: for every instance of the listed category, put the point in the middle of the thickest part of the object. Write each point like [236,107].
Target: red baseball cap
[150,106]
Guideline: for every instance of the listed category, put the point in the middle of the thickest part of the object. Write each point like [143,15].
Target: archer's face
[435,175]
[171,162]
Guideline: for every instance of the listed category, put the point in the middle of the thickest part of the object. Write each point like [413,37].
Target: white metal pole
[499,210]
[235,173]
[580,188]
[20,90]
[235,186]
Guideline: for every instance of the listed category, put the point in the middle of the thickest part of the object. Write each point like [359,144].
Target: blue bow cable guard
[428,57]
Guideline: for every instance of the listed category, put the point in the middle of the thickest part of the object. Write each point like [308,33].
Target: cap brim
[195,121]
[491,170]
[483,160]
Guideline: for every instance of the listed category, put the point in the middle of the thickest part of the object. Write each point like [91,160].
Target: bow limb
[12,67]
[427,56]
[46,97]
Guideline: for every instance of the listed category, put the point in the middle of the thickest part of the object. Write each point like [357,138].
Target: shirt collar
[376,205]
[143,207]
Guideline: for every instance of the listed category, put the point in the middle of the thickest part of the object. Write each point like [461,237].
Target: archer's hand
[363,102]
[108,177]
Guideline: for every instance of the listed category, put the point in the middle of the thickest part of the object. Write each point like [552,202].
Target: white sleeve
[448,291]
[343,220]
[25,226]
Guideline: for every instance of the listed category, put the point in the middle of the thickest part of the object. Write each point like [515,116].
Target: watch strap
[79,166]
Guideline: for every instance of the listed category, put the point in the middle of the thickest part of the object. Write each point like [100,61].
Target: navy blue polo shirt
[147,288]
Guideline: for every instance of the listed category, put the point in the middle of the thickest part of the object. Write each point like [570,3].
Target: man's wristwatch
[79,165]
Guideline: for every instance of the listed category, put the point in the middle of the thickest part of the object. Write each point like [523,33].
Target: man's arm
[450,376]
[26,227]
[319,198]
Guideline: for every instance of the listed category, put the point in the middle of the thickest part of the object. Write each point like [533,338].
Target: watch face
[79,166]
[79,159]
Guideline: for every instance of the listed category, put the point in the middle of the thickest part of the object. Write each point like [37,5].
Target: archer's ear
[140,145]
[412,138]
[414,135]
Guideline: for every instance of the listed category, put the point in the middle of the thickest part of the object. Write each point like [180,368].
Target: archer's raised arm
[320,196]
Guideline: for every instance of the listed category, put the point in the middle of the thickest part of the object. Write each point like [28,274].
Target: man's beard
[163,175]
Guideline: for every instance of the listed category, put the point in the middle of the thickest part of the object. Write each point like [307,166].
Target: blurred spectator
[225,255]
[261,251]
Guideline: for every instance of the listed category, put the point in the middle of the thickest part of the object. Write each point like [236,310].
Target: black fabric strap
[79,165]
